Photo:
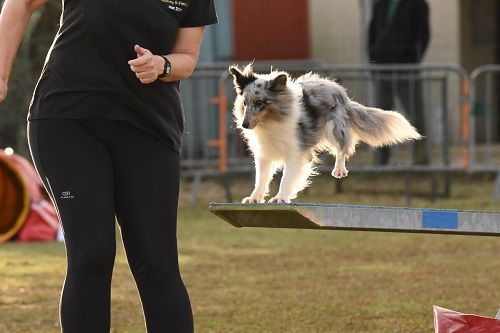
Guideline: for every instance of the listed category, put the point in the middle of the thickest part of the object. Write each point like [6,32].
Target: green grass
[265,280]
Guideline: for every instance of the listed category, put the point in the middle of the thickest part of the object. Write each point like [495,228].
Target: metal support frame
[359,218]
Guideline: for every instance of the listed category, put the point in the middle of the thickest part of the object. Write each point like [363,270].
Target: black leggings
[94,169]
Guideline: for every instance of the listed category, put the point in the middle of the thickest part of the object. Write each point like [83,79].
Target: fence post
[221,142]
[467,126]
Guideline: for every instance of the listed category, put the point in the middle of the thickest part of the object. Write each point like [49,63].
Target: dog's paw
[279,199]
[252,200]
[340,172]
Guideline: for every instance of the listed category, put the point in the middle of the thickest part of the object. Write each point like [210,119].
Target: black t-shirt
[86,72]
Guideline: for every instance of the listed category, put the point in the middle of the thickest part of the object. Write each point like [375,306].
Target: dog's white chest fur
[273,140]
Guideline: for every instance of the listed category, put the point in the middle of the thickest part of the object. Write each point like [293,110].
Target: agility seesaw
[361,218]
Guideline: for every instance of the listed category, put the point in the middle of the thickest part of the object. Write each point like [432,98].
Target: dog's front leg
[290,172]
[263,175]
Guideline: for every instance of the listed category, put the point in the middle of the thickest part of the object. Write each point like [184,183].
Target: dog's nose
[246,124]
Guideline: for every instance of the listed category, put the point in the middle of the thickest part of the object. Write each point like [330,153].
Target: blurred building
[463,32]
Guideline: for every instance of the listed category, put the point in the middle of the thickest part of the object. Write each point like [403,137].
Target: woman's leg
[147,190]
[76,169]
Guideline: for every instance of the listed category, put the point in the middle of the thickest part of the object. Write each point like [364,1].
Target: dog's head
[258,95]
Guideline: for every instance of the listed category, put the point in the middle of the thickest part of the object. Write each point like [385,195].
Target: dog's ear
[278,83]
[241,79]
[235,71]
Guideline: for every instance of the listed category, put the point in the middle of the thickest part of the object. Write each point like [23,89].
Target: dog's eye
[259,103]
[244,103]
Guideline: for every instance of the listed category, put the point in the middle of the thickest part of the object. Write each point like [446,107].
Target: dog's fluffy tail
[377,127]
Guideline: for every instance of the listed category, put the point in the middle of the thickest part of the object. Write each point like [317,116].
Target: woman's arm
[14,18]
[183,58]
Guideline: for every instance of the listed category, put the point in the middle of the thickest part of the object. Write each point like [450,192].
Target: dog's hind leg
[341,143]
[340,170]
[264,171]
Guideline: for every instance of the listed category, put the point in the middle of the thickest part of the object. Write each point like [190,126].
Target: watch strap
[166,67]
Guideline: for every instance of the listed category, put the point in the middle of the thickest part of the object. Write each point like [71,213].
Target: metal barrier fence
[208,96]
[212,145]
[484,121]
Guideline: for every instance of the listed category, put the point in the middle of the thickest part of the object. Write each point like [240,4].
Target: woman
[104,130]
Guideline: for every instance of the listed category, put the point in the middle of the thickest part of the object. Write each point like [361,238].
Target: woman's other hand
[3,90]
[146,66]
[14,17]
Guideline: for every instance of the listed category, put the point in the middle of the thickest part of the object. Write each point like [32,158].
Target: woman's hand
[183,58]
[147,66]
[3,90]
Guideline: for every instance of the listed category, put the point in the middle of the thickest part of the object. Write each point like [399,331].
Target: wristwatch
[166,68]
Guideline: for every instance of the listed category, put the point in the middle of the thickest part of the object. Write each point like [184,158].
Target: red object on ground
[26,212]
[29,175]
[448,321]
[42,223]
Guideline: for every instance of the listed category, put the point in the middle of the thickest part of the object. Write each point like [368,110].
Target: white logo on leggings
[67,195]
